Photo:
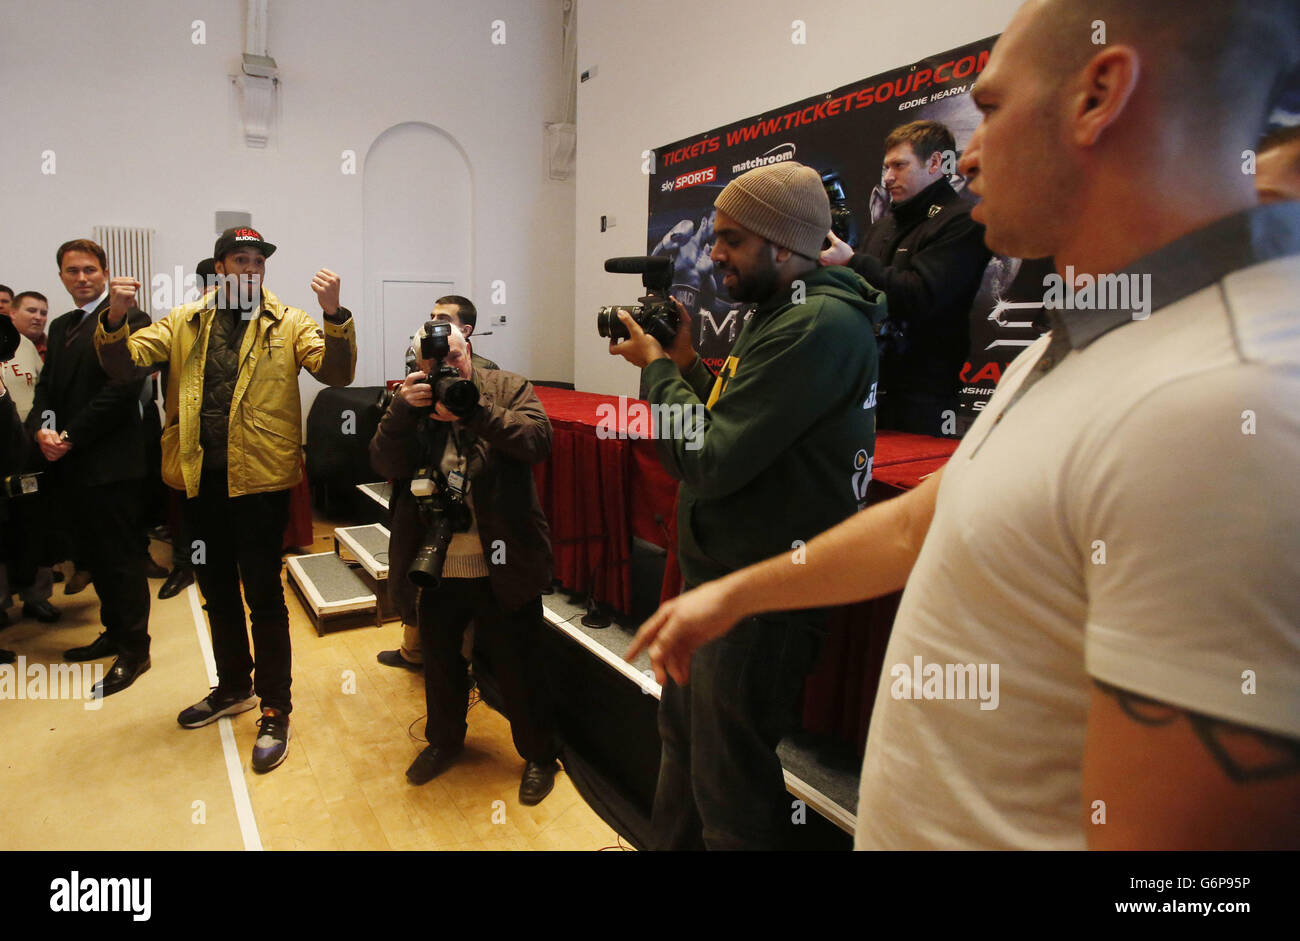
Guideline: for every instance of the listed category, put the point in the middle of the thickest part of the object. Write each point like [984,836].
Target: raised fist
[121,298]
[326,286]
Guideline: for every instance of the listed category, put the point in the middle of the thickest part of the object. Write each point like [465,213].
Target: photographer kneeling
[458,444]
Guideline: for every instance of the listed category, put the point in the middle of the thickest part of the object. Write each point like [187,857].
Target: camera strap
[457,482]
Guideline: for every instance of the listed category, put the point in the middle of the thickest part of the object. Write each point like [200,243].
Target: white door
[406,306]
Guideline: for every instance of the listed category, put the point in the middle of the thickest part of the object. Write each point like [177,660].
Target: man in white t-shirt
[1099,640]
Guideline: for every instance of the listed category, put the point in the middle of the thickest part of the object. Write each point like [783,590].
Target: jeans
[241,540]
[721,786]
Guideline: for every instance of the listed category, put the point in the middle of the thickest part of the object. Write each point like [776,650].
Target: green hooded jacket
[784,445]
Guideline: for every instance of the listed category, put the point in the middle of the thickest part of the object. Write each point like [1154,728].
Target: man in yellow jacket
[232,441]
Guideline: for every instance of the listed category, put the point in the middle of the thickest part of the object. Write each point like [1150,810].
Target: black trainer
[215,705]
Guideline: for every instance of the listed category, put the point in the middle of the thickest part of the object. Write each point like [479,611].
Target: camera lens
[609,325]
[459,395]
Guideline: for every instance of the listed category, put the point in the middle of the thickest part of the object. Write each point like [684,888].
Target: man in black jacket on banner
[928,257]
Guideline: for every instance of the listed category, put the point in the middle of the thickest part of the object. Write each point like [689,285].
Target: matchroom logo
[778,154]
[921,680]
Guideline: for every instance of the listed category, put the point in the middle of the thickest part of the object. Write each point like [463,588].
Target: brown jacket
[509,433]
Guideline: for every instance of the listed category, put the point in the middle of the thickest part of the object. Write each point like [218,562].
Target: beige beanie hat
[785,203]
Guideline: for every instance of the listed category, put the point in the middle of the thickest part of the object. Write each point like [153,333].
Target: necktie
[75,330]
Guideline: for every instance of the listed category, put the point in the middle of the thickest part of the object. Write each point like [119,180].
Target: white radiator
[130,253]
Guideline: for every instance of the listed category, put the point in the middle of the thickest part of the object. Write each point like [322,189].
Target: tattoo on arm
[1218,737]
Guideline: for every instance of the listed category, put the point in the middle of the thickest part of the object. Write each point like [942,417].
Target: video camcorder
[656,315]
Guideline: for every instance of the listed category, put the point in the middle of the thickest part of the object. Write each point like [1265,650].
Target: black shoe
[7,656]
[181,577]
[213,706]
[153,570]
[394,658]
[77,583]
[124,671]
[101,648]
[4,619]
[43,611]
[432,762]
[539,778]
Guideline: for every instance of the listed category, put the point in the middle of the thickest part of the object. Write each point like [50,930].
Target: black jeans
[720,782]
[107,524]
[508,641]
[241,539]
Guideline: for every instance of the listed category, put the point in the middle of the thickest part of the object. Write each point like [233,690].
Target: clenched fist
[326,286]
[121,298]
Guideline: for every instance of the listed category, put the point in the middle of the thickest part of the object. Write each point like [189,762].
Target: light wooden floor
[342,786]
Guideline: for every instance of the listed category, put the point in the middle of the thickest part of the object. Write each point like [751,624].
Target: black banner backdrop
[841,134]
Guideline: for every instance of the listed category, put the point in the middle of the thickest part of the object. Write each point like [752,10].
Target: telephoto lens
[426,569]
[459,395]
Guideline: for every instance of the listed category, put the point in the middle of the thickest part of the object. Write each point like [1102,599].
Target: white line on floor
[234,770]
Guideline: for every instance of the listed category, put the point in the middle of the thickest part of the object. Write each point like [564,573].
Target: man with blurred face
[1277,171]
[232,442]
[6,299]
[1103,577]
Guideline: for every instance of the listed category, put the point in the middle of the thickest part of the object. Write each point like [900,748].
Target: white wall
[140,122]
[675,68]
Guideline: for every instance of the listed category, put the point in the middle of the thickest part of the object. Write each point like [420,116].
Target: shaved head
[1209,59]
[1114,127]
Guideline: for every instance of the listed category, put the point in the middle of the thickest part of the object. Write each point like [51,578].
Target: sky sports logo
[778,154]
[687,180]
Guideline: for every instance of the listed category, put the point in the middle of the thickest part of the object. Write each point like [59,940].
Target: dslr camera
[460,396]
[443,512]
[657,314]
[841,215]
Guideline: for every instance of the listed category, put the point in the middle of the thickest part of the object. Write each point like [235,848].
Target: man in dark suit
[89,430]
